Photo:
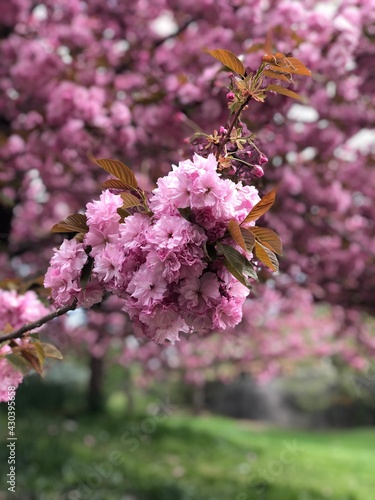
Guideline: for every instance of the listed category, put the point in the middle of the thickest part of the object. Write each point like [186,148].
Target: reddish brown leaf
[235,231]
[115,184]
[229,60]
[248,238]
[261,207]
[130,200]
[276,75]
[266,256]
[119,170]
[75,223]
[281,90]
[268,238]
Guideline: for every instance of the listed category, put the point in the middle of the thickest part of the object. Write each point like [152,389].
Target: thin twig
[227,135]
[16,334]
[180,30]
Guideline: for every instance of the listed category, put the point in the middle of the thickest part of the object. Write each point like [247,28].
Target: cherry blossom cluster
[77,79]
[15,311]
[157,262]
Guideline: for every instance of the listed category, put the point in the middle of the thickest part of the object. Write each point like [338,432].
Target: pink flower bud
[258,171]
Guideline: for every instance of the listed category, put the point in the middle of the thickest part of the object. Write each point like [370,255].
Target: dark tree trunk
[95,397]
[130,407]
[198,399]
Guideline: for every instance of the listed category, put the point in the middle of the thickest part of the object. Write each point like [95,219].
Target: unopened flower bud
[257,171]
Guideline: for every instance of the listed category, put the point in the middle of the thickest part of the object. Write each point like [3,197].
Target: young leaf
[18,362]
[50,351]
[235,231]
[290,65]
[276,75]
[115,184]
[281,90]
[261,207]
[86,273]
[75,223]
[229,60]
[266,256]
[185,213]
[130,200]
[123,213]
[33,355]
[119,170]
[39,352]
[298,67]
[235,272]
[268,238]
[80,237]
[248,239]
[235,260]
[210,251]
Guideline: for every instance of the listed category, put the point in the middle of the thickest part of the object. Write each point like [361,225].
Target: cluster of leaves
[125,181]
[30,355]
[245,86]
[31,352]
[263,241]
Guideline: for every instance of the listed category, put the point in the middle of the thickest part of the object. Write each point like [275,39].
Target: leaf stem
[229,131]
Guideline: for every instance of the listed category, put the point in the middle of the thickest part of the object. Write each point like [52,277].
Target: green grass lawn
[179,457]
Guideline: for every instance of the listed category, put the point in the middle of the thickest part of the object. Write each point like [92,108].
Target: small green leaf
[75,223]
[39,352]
[18,362]
[235,260]
[261,207]
[50,351]
[229,60]
[234,272]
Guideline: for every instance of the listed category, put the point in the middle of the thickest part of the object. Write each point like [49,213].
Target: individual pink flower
[108,263]
[198,294]
[133,231]
[98,236]
[64,272]
[104,211]
[162,323]
[227,314]
[91,294]
[146,286]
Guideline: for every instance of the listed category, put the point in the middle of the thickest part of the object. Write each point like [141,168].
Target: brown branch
[16,334]
[227,135]
[180,30]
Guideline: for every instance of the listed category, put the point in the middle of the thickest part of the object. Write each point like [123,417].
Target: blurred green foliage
[178,457]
